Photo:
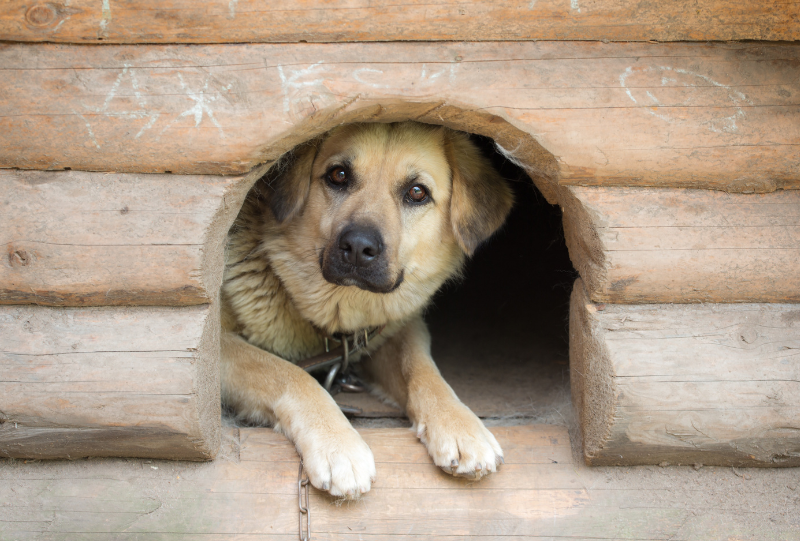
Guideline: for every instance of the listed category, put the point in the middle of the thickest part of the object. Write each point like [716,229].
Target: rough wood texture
[239,21]
[709,384]
[90,239]
[637,245]
[250,493]
[80,382]
[722,116]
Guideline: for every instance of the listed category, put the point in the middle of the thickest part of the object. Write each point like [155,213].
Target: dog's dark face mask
[357,256]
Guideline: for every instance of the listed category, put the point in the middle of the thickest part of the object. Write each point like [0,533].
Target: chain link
[302,486]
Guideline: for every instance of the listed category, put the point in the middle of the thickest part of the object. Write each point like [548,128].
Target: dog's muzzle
[357,257]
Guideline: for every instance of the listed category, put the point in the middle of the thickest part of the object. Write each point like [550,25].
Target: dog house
[133,131]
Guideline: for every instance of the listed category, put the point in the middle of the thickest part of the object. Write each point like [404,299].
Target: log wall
[124,360]
[714,384]
[108,381]
[721,116]
[123,255]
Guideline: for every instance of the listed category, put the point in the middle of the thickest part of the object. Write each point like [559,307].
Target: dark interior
[500,336]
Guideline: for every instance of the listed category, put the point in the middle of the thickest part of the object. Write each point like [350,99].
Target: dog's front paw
[339,462]
[459,443]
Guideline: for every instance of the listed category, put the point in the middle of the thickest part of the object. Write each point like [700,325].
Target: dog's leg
[260,385]
[456,439]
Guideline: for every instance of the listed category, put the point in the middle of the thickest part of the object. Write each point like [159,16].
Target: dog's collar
[338,358]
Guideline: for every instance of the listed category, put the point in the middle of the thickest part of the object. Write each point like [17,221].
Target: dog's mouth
[375,278]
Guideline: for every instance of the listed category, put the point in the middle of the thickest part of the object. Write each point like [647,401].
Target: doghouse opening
[500,334]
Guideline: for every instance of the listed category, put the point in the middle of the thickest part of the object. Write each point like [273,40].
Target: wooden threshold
[250,492]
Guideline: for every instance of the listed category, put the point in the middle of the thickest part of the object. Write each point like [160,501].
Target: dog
[356,230]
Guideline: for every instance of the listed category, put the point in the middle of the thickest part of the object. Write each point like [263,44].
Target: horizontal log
[109,382]
[90,239]
[639,245]
[714,384]
[223,21]
[250,493]
[721,116]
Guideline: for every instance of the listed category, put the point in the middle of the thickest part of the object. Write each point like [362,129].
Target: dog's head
[385,210]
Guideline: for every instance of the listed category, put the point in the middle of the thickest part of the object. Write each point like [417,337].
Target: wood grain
[683,384]
[721,116]
[222,21]
[93,239]
[80,382]
[637,245]
[248,494]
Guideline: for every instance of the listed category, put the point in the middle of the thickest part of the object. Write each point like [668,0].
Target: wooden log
[78,382]
[250,493]
[638,245]
[91,239]
[223,21]
[714,384]
[222,109]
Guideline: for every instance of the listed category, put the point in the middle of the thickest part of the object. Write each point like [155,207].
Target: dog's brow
[341,158]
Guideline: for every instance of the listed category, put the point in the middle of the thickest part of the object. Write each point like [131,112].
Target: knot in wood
[748,335]
[41,15]
[19,258]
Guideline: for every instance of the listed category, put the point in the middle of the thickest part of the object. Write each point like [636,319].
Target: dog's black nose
[360,245]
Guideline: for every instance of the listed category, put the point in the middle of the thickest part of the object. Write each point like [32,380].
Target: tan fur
[278,307]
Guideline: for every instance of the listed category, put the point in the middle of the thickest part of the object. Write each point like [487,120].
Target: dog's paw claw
[343,465]
[462,446]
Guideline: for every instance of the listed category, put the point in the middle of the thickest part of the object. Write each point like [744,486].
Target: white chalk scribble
[678,77]
[105,18]
[297,79]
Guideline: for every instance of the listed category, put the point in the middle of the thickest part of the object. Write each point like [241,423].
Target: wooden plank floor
[250,493]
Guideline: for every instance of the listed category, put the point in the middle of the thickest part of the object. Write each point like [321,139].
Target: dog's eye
[417,194]
[338,176]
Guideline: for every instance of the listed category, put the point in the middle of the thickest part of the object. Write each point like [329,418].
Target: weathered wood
[250,492]
[109,382]
[721,116]
[239,21]
[91,239]
[637,245]
[711,384]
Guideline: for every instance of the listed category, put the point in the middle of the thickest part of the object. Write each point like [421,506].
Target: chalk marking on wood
[426,77]
[291,82]
[232,9]
[357,75]
[88,128]
[202,100]
[128,71]
[106,18]
[62,21]
[719,125]
[573,5]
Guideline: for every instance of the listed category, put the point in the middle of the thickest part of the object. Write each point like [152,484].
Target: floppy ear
[481,199]
[287,183]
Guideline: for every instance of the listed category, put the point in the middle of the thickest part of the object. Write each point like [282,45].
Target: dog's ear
[287,183]
[481,199]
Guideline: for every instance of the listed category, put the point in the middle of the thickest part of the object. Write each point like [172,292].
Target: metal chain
[302,486]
